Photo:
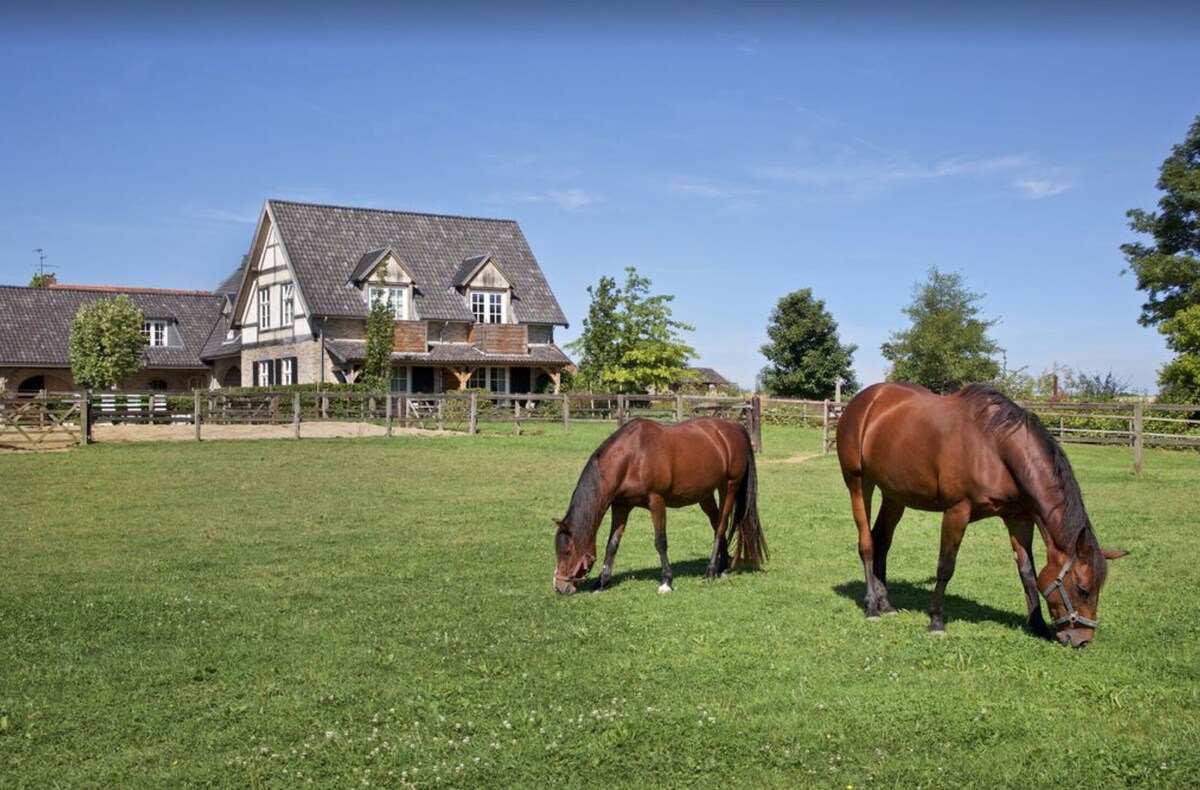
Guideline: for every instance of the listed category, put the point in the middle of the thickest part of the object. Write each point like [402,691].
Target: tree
[1169,269]
[381,322]
[947,345]
[42,280]
[106,343]
[630,342]
[806,355]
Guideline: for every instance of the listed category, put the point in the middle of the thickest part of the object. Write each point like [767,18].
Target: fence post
[620,410]
[1138,438]
[85,417]
[678,407]
[825,428]
[566,414]
[472,418]
[388,411]
[196,412]
[441,413]
[296,414]
[756,423]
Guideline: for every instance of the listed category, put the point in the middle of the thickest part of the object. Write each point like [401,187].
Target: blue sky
[730,153]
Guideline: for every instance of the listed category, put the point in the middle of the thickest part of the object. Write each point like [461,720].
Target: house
[709,380]
[472,309]
[35,327]
[471,305]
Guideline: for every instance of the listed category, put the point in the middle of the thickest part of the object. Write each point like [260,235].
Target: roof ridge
[390,211]
[126,290]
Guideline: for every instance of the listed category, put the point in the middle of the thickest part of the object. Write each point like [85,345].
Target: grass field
[380,612]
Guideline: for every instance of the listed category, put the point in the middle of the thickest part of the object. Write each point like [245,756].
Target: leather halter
[1072,616]
[588,558]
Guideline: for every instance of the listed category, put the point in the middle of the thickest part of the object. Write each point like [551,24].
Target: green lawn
[375,611]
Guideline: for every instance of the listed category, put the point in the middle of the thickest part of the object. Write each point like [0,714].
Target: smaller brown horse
[971,455]
[645,464]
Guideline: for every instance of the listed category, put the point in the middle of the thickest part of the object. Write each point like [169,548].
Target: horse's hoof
[664,588]
[874,618]
[937,631]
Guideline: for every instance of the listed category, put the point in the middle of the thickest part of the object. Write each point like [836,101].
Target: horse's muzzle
[1076,637]
[563,587]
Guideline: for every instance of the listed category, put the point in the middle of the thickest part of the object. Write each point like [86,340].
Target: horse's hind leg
[658,515]
[620,516]
[860,506]
[890,512]
[1020,534]
[718,516]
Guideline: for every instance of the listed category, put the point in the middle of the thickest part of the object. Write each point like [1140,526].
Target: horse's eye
[1083,591]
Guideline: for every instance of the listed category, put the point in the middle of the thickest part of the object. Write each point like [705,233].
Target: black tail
[751,546]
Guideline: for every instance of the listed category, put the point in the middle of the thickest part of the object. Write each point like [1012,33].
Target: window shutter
[278,364]
[256,374]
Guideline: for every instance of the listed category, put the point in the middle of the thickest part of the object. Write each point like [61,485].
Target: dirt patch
[798,458]
[311,430]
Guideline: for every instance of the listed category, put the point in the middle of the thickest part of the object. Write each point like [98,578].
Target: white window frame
[266,372]
[287,371]
[400,380]
[493,379]
[488,307]
[156,332]
[287,295]
[394,296]
[264,307]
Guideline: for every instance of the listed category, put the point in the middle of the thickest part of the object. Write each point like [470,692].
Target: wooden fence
[45,421]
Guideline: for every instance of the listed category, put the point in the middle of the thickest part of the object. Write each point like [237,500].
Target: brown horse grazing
[645,464]
[971,455]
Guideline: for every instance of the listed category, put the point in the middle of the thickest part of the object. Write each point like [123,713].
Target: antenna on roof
[42,267]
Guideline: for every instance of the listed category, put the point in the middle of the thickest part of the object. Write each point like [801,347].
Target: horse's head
[1072,590]
[574,560]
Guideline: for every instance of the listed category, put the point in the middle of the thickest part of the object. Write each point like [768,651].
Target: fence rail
[46,421]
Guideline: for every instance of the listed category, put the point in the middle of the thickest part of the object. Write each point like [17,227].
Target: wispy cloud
[222,215]
[573,199]
[863,171]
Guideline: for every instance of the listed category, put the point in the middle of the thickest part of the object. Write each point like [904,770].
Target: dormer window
[155,332]
[487,307]
[395,297]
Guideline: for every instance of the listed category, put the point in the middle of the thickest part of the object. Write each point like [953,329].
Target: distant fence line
[55,420]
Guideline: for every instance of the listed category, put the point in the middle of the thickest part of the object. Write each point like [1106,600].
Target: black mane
[588,500]
[1008,418]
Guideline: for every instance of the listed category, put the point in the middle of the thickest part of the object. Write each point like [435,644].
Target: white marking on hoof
[664,588]
[874,618]
[941,632]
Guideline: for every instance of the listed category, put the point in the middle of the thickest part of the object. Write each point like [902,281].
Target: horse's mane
[1006,419]
[588,498]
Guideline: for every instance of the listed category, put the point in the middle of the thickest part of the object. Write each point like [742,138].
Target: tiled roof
[35,323]
[326,243]
[710,376]
[453,354]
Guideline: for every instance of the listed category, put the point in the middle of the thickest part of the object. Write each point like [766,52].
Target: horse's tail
[751,545]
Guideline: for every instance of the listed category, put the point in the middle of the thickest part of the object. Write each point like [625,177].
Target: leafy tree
[106,343]
[42,280]
[598,346]
[1169,269]
[630,342]
[1179,379]
[806,355]
[947,345]
[381,321]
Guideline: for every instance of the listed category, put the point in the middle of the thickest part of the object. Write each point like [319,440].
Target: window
[400,378]
[263,370]
[487,307]
[490,379]
[287,371]
[288,307]
[264,308]
[393,296]
[155,332]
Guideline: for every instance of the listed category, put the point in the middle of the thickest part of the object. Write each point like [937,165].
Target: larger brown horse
[971,455]
[645,464]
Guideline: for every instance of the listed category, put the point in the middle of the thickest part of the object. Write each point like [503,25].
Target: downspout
[321,362]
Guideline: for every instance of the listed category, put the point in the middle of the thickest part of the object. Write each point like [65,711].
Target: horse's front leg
[1020,534]
[954,524]
[718,516]
[620,516]
[658,514]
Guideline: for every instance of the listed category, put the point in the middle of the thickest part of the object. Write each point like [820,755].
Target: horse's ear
[558,522]
[1114,554]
